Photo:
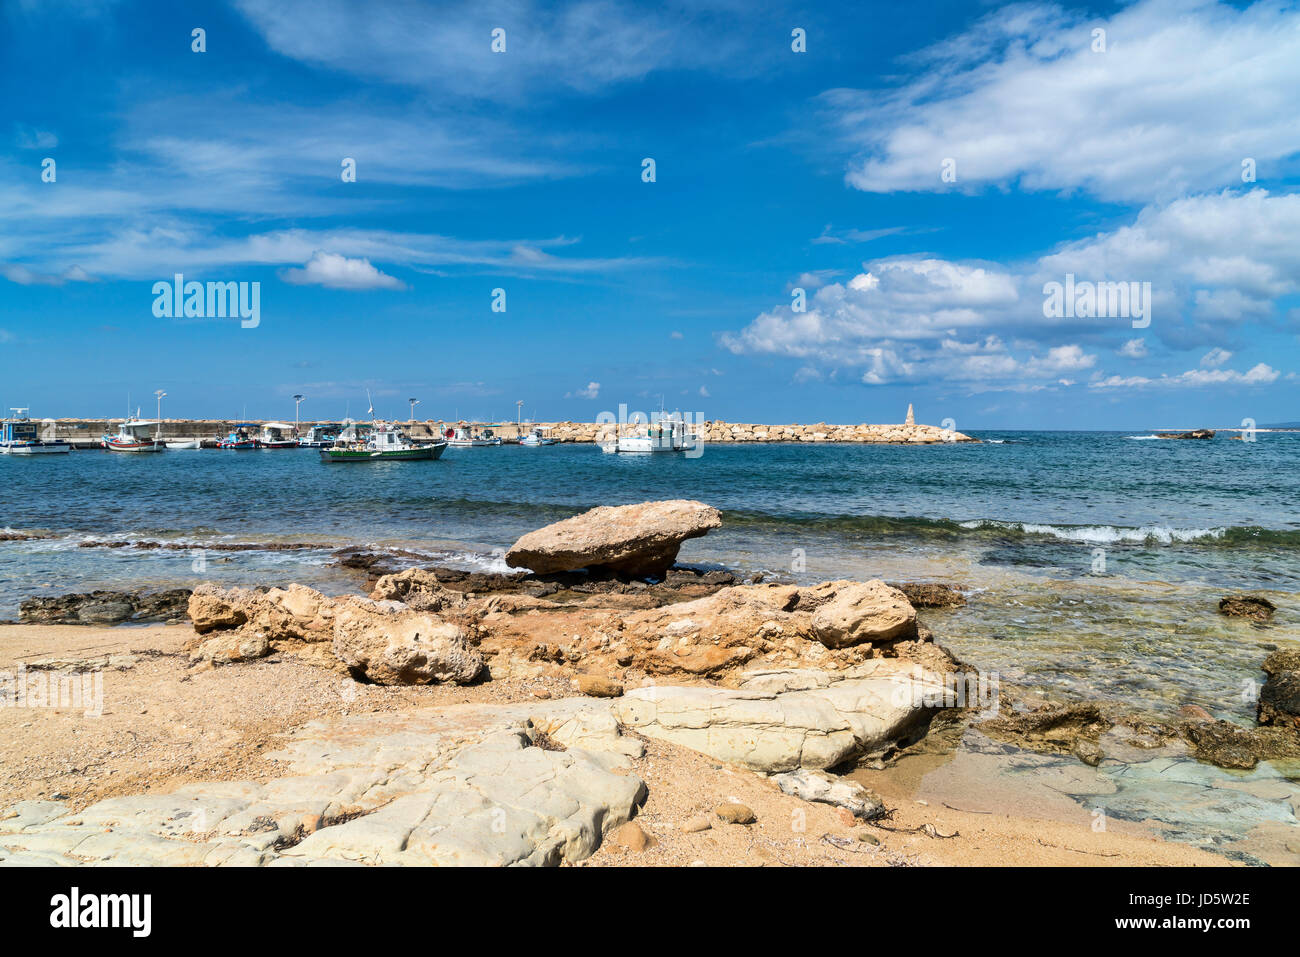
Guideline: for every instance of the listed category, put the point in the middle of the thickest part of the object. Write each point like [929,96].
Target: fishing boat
[134,435]
[185,444]
[278,435]
[383,444]
[668,433]
[19,436]
[463,437]
[320,437]
[537,437]
[241,437]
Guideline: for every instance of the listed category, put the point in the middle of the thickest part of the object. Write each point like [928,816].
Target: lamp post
[159,393]
[414,403]
[297,401]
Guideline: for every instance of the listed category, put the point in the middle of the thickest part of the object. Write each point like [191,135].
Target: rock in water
[389,644]
[1247,606]
[930,594]
[640,540]
[1279,701]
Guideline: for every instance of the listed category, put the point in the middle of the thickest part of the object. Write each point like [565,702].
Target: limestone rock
[389,644]
[839,792]
[598,686]
[229,647]
[212,607]
[857,612]
[451,786]
[849,714]
[420,589]
[641,540]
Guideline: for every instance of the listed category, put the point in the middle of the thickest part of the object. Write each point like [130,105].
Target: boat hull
[423,452]
[35,448]
[115,446]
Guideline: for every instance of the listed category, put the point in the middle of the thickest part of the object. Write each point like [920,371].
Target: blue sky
[1113,157]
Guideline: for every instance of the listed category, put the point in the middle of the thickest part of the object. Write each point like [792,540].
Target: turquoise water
[1094,561]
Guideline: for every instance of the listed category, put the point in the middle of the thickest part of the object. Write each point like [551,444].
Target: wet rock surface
[1279,699]
[931,594]
[105,607]
[1247,606]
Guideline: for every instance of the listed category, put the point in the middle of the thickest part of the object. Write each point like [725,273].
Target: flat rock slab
[536,783]
[460,786]
[635,539]
[783,721]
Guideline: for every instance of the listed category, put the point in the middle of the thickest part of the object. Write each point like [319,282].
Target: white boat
[462,437]
[320,437]
[19,436]
[278,435]
[134,435]
[537,437]
[669,433]
[185,444]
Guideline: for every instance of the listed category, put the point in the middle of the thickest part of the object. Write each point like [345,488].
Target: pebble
[698,823]
[735,813]
[630,836]
[598,686]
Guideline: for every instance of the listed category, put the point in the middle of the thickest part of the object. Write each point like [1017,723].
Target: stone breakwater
[86,432]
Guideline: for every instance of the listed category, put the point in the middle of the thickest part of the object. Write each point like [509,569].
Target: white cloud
[1215,358]
[704,392]
[590,392]
[890,320]
[26,277]
[1260,374]
[579,46]
[339,272]
[1184,91]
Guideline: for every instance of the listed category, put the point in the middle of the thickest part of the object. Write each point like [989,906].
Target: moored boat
[134,435]
[19,436]
[320,437]
[463,437]
[185,444]
[241,438]
[278,435]
[537,437]
[382,445]
[668,433]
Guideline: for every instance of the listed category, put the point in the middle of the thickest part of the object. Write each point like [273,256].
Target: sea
[1093,561]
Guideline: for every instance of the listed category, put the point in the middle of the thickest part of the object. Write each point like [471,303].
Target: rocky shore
[603,701]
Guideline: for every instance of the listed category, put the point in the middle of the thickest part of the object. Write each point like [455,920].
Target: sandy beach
[166,724]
